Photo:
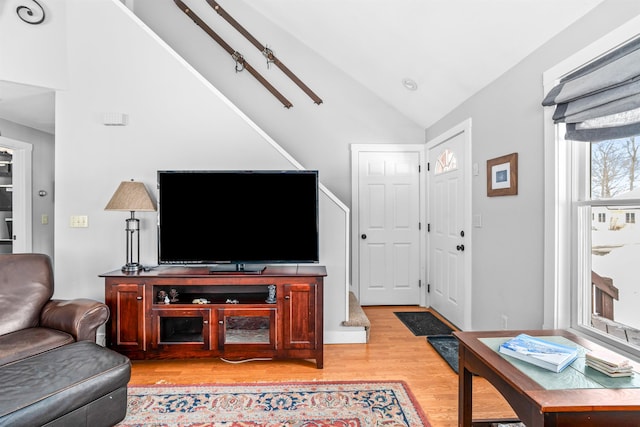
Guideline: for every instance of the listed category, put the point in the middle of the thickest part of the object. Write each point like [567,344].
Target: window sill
[607,341]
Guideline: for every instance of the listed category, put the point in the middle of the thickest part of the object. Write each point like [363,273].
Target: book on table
[609,364]
[540,352]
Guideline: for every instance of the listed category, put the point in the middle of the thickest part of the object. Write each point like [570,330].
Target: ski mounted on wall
[268,53]
[241,64]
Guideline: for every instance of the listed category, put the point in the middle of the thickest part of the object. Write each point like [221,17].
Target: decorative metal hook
[26,14]
[268,53]
[237,56]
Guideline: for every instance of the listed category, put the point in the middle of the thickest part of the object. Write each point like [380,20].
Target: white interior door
[21,194]
[388,226]
[448,230]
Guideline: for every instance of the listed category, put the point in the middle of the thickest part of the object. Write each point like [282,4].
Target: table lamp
[132,196]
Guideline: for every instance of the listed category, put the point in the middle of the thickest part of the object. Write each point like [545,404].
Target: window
[602,242]
[610,267]
[592,242]
[447,161]
[630,217]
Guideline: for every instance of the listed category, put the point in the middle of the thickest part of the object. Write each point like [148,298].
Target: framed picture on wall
[502,175]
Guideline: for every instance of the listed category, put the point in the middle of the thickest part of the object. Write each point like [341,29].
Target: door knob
[460,248]
[363,236]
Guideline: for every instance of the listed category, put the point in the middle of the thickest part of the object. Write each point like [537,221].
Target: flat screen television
[237,220]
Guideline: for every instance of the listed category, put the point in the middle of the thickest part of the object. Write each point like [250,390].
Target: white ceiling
[450,48]
[27,105]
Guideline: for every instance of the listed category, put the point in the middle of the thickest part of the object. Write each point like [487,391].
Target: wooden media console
[172,312]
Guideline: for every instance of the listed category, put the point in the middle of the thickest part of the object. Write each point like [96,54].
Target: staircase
[357,316]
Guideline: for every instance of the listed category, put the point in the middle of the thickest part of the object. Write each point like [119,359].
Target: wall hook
[25,13]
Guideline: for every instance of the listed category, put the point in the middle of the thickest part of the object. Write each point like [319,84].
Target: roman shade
[601,100]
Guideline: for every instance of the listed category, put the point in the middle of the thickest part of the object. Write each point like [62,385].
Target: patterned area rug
[303,404]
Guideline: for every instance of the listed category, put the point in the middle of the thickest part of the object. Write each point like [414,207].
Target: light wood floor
[393,353]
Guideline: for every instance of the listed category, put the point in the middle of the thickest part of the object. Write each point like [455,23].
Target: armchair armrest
[79,317]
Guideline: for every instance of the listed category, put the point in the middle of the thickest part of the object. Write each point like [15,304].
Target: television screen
[237,217]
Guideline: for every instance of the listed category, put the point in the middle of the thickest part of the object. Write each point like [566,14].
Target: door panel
[446,272]
[299,316]
[389,233]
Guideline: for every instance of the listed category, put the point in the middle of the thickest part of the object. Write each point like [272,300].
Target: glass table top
[575,376]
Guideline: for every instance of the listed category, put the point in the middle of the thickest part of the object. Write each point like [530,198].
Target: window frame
[563,265]
[630,218]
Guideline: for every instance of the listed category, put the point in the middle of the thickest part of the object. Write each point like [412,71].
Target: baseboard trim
[351,335]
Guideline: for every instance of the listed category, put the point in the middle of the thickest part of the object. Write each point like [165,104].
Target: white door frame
[465,129]
[21,197]
[355,212]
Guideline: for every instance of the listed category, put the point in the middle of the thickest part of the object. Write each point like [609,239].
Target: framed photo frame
[502,175]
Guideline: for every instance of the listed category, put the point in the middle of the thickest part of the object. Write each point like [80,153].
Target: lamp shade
[131,196]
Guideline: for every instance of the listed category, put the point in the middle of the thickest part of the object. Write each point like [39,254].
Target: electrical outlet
[79,221]
[504,319]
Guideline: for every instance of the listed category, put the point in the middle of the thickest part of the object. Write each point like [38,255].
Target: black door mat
[447,348]
[423,323]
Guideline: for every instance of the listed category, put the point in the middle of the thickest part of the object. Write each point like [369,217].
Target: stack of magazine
[546,354]
[609,364]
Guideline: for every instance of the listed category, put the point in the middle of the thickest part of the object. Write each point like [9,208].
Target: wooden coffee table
[570,398]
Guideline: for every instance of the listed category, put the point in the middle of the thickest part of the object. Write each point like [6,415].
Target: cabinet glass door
[247,328]
[188,327]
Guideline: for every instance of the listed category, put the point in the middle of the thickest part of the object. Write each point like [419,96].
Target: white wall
[318,136]
[34,54]
[508,117]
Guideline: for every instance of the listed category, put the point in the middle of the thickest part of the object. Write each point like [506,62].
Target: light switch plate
[79,221]
[477,220]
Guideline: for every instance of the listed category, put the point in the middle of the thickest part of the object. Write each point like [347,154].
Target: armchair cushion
[27,342]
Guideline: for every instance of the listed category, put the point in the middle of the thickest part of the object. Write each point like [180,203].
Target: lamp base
[131,267]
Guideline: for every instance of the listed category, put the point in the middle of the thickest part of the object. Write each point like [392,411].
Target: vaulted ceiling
[450,48]
[447,49]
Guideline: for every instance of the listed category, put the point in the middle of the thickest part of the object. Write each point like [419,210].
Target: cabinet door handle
[221,322]
[287,297]
[139,298]
[205,322]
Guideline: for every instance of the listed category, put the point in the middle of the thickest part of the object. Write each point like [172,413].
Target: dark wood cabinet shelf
[186,312]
